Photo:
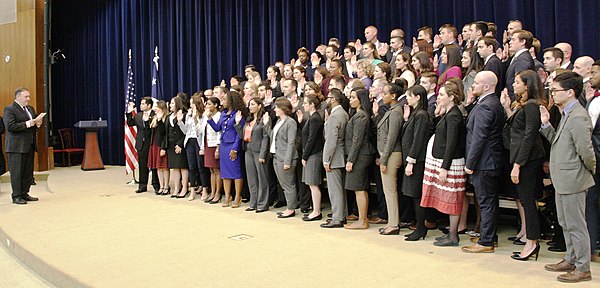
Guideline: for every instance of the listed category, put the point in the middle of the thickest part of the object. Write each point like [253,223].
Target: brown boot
[562,266]
[575,276]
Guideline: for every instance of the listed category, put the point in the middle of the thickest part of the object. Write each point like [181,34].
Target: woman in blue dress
[231,147]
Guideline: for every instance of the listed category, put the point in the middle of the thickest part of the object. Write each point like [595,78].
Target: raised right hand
[544,115]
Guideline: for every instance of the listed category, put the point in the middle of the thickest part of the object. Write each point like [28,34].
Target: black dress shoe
[261,210]
[343,221]
[551,243]
[141,190]
[19,201]
[279,204]
[316,218]
[250,209]
[245,200]
[518,241]
[29,198]
[557,249]
[333,224]
[305,210]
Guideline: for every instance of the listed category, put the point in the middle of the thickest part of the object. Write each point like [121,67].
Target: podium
[92,160]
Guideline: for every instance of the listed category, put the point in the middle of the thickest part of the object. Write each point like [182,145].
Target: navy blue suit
[483,155]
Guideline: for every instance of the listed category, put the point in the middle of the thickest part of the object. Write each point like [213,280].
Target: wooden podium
[92,160]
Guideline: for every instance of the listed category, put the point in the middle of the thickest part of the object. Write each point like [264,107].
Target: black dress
[415,136]
[175,137]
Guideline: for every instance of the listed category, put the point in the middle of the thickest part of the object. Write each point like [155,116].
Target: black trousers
[144,171]
[382,206]
[529,177]
[20,166]
[304,194]
[487,185]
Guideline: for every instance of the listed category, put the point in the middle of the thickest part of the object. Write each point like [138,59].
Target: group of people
[422,123]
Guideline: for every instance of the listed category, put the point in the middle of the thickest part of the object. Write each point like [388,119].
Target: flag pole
[133,181]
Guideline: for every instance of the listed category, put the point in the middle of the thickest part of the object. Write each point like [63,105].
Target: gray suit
[286,154]
[389,145]
[572,163]
[333,154]
[256,173]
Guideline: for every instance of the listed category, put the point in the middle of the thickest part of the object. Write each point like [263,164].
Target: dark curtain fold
[201,43]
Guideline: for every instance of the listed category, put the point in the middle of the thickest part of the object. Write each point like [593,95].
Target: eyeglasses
[553,91]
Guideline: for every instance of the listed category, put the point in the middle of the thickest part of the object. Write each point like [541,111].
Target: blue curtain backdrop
[202,42]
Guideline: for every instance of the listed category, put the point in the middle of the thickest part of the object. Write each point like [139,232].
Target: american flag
[131,162]
[156,92]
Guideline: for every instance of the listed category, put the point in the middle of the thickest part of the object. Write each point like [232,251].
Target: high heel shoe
[227,202]
[393,231]
[210,198]
[175,193]
[236,204]
[215,201]
[184,195]
[415,236]
[535,251]
[166,191]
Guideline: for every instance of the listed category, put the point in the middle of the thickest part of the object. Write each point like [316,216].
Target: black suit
[526,149]
[495,65]
[20,147]
[143,140]
[520,63]
[484,156]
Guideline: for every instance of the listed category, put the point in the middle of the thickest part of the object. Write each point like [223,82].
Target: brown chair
[68,145]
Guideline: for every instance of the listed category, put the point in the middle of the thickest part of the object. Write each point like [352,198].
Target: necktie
[27,112]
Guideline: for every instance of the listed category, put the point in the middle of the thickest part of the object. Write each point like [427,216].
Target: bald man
[483,157]
[583,67]
[567,51]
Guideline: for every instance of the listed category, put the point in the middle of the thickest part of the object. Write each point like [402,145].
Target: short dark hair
[426,30]
[337,95]
[524,35]
[481,26]
[418,90]
[339,63]
[489,41]
[148,100]
[597,63]
[450,28]
[339,80]
[395,90]
[556,53]
[293,82]
[570,80]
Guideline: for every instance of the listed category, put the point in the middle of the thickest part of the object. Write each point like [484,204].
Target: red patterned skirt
[446,197]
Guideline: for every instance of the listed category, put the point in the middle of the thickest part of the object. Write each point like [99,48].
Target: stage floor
[91,229]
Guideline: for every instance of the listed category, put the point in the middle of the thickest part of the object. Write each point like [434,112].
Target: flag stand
[133,181]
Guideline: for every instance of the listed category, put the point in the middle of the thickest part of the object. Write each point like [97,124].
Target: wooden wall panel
[23,42]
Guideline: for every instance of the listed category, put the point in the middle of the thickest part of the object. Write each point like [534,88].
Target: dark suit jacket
[19,138]
[495,65]
[449,141]
[431,111]
[358,136]
[522,62]
[484,135]
[144,132]
[415,134]
[174,136]
[2,161]
[312,135]
[525,140]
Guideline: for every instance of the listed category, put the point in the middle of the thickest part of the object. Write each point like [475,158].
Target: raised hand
[179,115]
[266,119]
[358,46]
[460,40]
[382,50]
[435,62]
[299,115]
[238,117]
[505,99]
[544,115]
[375,107]
[406,112]
[130,107]
[437,41]
[223,84]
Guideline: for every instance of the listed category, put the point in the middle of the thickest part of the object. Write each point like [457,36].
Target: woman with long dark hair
[256,145]
[173,144]
[415,134]
[312,152]
[527,154]
[404,68]
[231,145]
[451,58]
[471,64]
[360,154]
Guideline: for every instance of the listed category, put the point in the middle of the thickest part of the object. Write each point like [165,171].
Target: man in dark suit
[142,141]
[567,51]
[483,159]
[21,123]
[520,42]
[486,47]
[572,165]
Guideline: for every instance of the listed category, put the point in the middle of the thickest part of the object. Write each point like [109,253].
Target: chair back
[67,139]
